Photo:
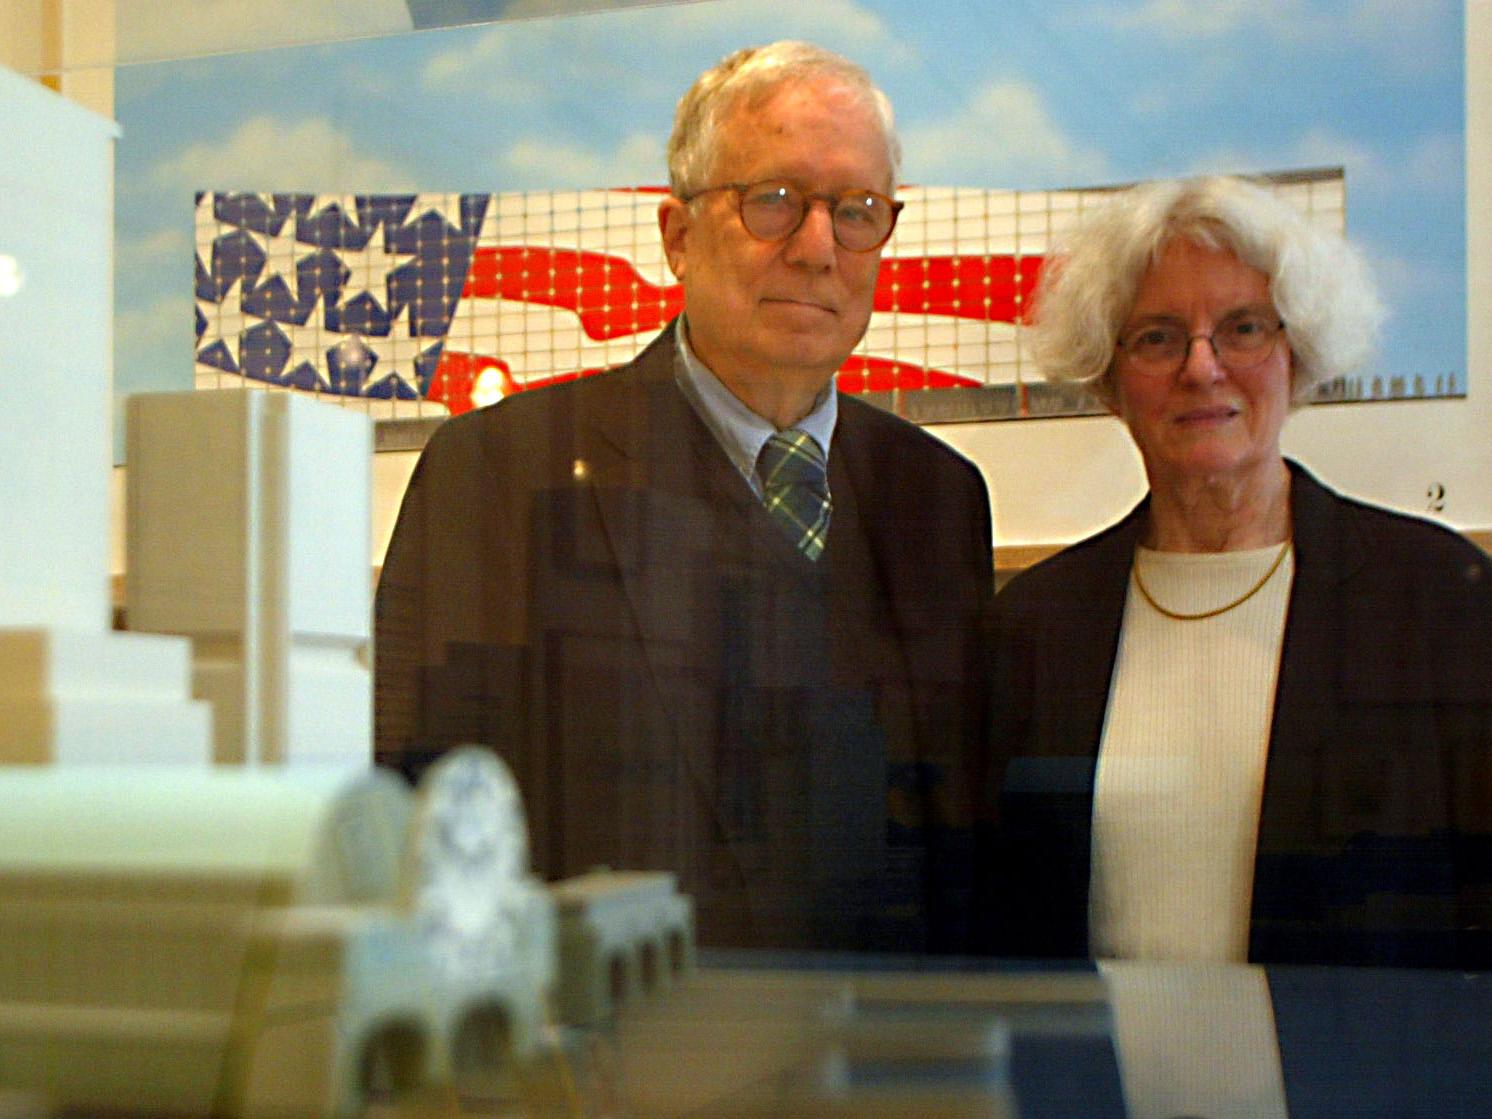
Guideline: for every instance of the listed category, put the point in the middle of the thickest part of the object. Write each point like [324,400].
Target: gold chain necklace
[1248,594]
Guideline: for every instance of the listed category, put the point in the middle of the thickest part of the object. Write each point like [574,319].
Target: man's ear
[673,224]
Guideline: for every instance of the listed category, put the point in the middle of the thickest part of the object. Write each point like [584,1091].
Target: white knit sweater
[1181,764]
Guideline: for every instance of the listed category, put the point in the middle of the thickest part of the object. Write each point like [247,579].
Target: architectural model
[257,922]
[249,516]
[622,936]
[71,691]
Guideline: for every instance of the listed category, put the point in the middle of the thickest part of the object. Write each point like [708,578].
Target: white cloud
[842,25]
[136,254]
[1398,280]
[1412,281]
[1314,148]
[1435,163]
[1320,147]
[492,55]
[526,66]
[1432,165]
[1186,19]
[267,154]
[537,60]
[1407,36]
[167,322]
[1003,134]
[535,162]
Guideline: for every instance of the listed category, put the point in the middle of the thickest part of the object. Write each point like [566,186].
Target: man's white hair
[749,77]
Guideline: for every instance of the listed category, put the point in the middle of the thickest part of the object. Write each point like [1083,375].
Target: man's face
[784,313]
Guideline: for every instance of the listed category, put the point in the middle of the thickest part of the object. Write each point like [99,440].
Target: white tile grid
[539,341]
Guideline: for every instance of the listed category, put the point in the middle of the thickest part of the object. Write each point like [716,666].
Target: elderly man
[719,618]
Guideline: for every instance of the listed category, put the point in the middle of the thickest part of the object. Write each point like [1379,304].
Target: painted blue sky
[1019,94]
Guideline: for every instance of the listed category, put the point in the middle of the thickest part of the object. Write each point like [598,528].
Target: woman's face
[1205,420]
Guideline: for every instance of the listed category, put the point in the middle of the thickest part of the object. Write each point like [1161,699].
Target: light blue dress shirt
[739,430]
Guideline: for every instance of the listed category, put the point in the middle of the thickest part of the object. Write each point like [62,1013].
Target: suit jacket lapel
[1091,645]
[1326,553]
[894,541]
[881,520]
[646,457]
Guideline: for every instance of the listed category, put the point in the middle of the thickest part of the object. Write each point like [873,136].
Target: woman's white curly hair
[1319,283]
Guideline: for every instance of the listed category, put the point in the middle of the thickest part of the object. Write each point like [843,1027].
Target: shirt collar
[739,430]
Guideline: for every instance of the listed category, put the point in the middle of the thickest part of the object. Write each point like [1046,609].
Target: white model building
[71,691]
[249,520]
[239,943]
[623,935]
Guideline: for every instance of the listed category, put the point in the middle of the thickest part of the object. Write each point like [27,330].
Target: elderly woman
[1253,719]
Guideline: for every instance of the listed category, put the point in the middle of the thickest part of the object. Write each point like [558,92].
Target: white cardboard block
[104,731]
[92,698]
[56,311]
[36,663]
[249,520]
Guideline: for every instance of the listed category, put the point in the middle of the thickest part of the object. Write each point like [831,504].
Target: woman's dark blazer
[1375,833]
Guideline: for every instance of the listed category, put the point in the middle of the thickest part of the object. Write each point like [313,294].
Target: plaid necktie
[795,483]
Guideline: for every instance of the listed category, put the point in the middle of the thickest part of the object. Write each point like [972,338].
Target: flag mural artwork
[438,303]
[458,300]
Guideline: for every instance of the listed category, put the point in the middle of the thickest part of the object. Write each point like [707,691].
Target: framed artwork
[421,305]
[546,135]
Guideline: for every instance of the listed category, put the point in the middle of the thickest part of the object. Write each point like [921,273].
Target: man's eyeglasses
[773,210]
[1241,341]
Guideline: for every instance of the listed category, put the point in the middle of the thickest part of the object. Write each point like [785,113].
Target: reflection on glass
[1195,1040]
[125,32]
[11,276]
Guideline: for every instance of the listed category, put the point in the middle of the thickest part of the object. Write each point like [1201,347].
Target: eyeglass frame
[1272,317]
[831,201]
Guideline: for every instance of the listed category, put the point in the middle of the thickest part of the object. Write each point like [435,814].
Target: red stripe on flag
[610,297]
[456,377]
[457,374]
[612,300]
[986,288]
[881,374]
